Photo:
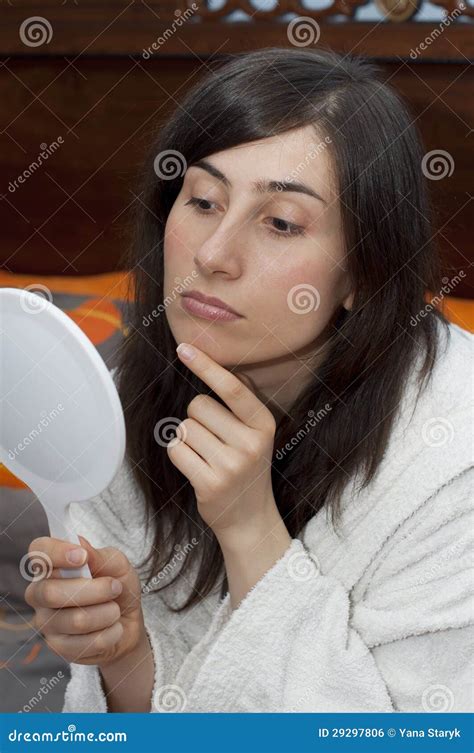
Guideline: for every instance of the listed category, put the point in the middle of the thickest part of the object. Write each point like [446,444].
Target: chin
[204,337]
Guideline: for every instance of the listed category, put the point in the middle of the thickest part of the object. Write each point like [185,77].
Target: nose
[219,254]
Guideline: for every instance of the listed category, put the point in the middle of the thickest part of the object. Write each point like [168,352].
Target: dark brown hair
[392,260]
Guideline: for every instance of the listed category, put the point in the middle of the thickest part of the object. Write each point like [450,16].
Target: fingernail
[76,556]
[116,587]
[186,351]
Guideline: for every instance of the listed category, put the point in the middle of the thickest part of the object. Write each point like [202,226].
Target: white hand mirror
[62,428]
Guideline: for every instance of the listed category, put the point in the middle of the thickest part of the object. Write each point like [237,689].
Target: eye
[197,203]
[288,229]
[283,229]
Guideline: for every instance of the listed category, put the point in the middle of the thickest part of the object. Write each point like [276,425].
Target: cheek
[305,285]
[177,243]
[302,301]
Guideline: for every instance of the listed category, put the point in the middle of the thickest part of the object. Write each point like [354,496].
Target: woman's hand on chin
[226,453]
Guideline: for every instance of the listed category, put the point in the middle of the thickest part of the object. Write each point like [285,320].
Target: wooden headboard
[98,79]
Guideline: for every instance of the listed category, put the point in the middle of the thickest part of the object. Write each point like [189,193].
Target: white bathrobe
[378,618]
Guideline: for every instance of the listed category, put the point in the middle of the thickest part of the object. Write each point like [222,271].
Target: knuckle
[238,389]
[123,560]
[38,544]
[79,620]
[101,642]
[253,448]
[232,464]
[56,644]
[38,622]
[120,560]
[196,404]
[30,594]
[114,613]
[213,487]
[116,558]
[50,593]
[110,615]
[270,424]
[185,425]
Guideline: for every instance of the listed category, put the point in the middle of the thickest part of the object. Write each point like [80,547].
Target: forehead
[301,155]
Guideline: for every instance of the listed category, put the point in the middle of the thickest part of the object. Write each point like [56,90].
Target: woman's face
[275,256]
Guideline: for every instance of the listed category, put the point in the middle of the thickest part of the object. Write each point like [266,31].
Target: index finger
[47,553]
[239,398]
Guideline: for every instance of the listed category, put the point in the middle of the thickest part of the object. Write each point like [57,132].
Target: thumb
[112,562]
[106,561]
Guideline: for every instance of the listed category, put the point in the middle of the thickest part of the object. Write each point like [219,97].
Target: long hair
[392,261]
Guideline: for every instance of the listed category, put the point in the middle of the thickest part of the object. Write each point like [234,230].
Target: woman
[302,543]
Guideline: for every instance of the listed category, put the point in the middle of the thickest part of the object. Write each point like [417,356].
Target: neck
[278,381]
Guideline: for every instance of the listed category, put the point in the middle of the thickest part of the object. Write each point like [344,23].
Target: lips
[210,301]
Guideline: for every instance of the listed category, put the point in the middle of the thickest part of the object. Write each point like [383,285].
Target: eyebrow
[261,186]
